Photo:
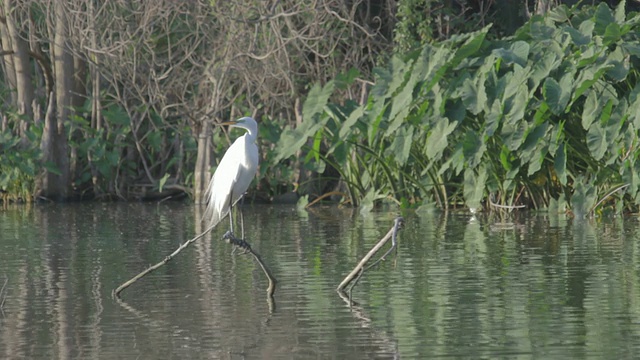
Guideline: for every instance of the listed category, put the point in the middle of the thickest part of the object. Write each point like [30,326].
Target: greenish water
[533,287]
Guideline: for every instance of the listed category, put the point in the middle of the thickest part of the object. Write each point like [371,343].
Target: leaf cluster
[546,116]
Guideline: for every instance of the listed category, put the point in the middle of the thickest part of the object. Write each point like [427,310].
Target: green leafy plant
[549,113]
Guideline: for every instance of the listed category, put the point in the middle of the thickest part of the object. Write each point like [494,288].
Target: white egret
[234,174]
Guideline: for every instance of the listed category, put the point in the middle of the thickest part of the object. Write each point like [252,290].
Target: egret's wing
[222,183]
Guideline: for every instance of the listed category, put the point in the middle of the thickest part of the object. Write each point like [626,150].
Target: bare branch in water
[116,292]
[237,243]
[357,272]
[244,246]
[508,207]
[3,294]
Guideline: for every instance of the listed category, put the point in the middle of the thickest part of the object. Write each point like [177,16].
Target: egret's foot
[228,236]
[236,243]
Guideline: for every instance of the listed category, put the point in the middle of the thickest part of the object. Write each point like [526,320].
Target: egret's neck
[251,136]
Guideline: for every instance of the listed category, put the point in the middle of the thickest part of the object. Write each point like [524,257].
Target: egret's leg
[231,213]
[241,216]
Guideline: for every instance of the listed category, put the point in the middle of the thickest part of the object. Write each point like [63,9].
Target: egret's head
[246,123]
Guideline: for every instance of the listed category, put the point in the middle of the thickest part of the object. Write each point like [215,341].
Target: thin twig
[359,269]
[116,292]
[326,195]
[509,207]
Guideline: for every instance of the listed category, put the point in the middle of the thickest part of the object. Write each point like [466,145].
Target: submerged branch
[244,246]
[116,292]
[357,272]
[3,295]
[230,238]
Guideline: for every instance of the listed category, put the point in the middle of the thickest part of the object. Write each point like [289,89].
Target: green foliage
[547,113]
[19,164]
[110,156]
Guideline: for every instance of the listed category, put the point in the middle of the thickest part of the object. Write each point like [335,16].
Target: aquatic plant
[549,114]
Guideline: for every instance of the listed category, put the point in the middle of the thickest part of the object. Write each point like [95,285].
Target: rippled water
[528,286]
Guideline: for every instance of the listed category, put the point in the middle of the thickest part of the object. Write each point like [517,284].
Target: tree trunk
[8,68]
[543,6]
[201,174]
[78,96]
[23,83]
[54,147]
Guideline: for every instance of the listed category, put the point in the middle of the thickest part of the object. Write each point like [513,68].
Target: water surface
[528,286]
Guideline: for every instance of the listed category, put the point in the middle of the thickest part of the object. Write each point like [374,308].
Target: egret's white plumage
[235,172]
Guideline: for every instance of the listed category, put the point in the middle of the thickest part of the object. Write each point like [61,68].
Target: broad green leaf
[506,158]
[607,110]
[590,110]
[634,107]
[513,134]
[317,142]
[535,147]
[474,148]
[437,139]
[542,67]
[536,159]
[399,70]
[116,115]
[493,117]
[557,206]
[302,203]
[577,37]
[374,125]
[316,100]
[517,53]
[596,141]
[383,78]
[516,106]
[515,81]
[455,163]
[631,48]
[540,31]
[560,164]
[552,93]
[400,106]
[586,27]
[368,201]
[583,198]
[470,46]
[340,152]
[348,125]
[602,18]
[344,80]
[619,65]
[612,34]
[474,186]
[619,13]
[401,146]
[473,94]
[559,14]
[587,78]
[431,66]
[292,140]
